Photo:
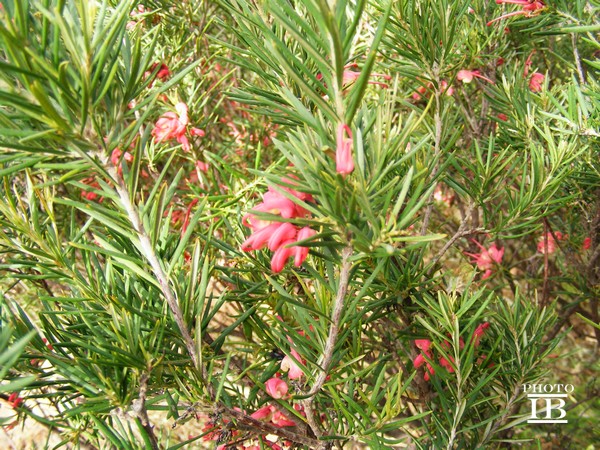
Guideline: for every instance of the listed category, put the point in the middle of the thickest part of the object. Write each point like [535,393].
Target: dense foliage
[298,223]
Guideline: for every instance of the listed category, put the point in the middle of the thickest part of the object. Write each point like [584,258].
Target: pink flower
[276,388]
[202,166]
[486,259]
[14,400]
[423,344]
[280,420]
[552,244]
[449,90]
[466,76]
[263,413]
[89,195]
[446,364]
[283,233]
[276,203]
[587,243]
[279,237]
[536,82]
[429,371]
[281,256]
[300,253]
[529,8]
[289,364]
[350,76]
[478,333]
[343,154]
[259,239]
[174,126]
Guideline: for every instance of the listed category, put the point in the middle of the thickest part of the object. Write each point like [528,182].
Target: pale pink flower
[552,244]
[202,166]
[289,364]
[171,125]
[487,258]
[350,76]
[344,164]
[466,76]
[448,90]
[276,388]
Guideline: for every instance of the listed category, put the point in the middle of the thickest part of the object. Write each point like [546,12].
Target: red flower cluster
[279,237]
[89,195]
[426,354]
[162,74]
[14,400]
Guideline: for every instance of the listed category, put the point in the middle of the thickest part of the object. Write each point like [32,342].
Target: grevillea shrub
[299,223]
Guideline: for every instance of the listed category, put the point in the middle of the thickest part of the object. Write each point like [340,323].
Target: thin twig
[334,328]
[148,251]
[139,408]
[336,316]
[577,59]
[437,118]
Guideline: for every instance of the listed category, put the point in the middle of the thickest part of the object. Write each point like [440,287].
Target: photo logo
[552,402]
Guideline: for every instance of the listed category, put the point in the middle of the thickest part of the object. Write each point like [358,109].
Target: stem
[334,329]
[508,410]
[459,406]
[148,251]
[437,149]
[139,408]
[336,316]
[460,232]
[577,59]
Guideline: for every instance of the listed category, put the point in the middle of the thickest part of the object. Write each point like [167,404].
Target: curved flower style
[466,76]
[529,8]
